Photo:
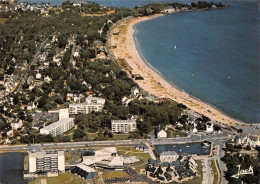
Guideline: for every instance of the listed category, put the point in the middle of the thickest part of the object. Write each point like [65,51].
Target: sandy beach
[123,47]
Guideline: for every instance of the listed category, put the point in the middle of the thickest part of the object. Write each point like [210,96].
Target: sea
[212,55]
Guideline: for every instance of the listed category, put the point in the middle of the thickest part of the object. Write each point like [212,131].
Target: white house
[194,129]
[209,128]
[162,134]
[38,76]
[16,125]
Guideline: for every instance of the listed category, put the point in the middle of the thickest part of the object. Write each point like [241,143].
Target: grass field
[3,20]
[111,174]
[131,151]
[63,178]
[215,173]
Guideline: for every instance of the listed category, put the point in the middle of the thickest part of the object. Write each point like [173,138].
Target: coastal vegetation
[233,158]
[68,29]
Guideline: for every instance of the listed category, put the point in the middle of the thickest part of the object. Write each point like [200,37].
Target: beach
[126,53]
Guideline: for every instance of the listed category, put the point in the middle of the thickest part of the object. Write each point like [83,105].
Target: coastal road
[216,138]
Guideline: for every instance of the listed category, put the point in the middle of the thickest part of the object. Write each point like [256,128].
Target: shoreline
[153,82]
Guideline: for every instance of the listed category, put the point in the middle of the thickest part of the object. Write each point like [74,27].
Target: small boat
[192,75]
[174,146]
[175,47]
[229,77]
[187,146]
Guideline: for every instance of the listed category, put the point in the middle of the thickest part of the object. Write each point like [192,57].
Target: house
[209,128]
[168,9]
[15,124]
[38,76]
[194,128]
[162,134]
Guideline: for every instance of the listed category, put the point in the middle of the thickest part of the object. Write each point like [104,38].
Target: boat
[175,47]
[174,146]
[187,146]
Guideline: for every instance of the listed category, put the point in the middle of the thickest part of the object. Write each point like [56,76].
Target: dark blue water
[216,57]
[196,148]
[11,168]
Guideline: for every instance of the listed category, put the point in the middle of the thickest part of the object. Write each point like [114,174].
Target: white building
[169,155]
[123,125]
[50,161]
[209,127]
[92,104]
[162,134]
[63,114]
[15,125]
[194,129]
[58,127]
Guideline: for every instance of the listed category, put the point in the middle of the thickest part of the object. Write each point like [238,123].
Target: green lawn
[111,174]
[131,151]
[174,133]
[63,178]
[215,173]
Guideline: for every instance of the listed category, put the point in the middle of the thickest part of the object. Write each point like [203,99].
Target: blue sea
[216,57]
[217,53]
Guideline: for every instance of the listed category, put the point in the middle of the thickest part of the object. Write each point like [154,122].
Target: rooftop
[56,124]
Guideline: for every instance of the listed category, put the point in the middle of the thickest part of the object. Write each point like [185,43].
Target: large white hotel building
[92,104]
[58,127]
[50,161]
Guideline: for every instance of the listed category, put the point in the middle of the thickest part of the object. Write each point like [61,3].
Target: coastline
[153,82]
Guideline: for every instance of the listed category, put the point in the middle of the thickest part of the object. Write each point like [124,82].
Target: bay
[216,57]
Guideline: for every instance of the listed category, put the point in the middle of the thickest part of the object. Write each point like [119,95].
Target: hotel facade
[92,104]
[50,161]
[123,126]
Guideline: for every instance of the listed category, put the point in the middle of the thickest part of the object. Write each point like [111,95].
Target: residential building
[92,104]
[63,114]
[162,134]
[58,127]
[50,161]
[124,126]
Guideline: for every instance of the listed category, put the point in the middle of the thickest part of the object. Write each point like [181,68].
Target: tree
[66,139]
[78,134]
[110,134]
[239,131]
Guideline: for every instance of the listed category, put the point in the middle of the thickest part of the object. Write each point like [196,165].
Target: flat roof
[124,121]
[46,154]
[57,123]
